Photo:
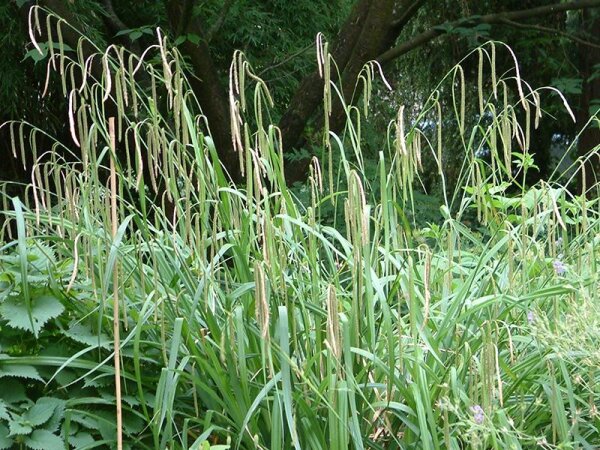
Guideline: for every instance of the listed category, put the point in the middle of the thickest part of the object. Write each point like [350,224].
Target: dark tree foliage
[415,40]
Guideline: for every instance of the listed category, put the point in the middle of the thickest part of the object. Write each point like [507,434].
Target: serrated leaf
[3,411]
[43,409]
[81,439]
[5,441]
[19,371]
[59,414]
[84,335]
[16,427]
[44,440]
[40,257]
[43,308]
[84,419]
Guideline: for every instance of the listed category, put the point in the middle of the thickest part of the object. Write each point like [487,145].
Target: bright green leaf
[81,439]
[5,441]
[3,411]
[42,410]
[43,308]
[44,440]
[17,427]
[19,371]
[85,335]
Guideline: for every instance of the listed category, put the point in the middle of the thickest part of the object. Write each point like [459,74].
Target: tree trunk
[309,95]
[206,85]
[372,27]
[375,37]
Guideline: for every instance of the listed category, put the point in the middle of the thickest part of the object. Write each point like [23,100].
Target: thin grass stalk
[116,322]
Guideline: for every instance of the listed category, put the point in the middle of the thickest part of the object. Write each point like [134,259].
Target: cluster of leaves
[46,399]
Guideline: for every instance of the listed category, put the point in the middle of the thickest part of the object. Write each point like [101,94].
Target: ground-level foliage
[251,320]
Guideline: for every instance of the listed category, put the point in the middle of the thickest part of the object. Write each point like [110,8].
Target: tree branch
[550,30]
[285,60]
[205,83]
[407,15]
[220,20]
[473,21]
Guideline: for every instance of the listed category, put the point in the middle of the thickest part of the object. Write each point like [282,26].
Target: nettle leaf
[4,411]
[16,427]
[85,335]
[44,440]
[59,414]
[84,419]
[19,371]
[41,412]
[41,257]
[5,440]
[7,283]
[43,308]
[81,440]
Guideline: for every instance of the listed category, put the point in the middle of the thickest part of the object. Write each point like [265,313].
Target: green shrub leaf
[3,411]
[41,411]
[85,335]
[43,308]
[5,441]
[81,440]
[17,427]
[20,371]
[44,440]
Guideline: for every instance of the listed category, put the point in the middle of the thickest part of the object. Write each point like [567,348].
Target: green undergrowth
[250,319]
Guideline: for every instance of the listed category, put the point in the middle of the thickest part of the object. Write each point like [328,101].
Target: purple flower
[478,415]
[559,267]
[530,317]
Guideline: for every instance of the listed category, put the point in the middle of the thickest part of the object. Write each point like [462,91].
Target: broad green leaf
[193,38]
[19,371]
[5,441]
[43,308]
[57,417]
[42,410]
[135,35]
[3,411]
[44,440]
[18,427]
[81,440]
[85,335]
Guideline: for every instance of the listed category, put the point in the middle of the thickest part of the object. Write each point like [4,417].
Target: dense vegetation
[416,41]
[134,274]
